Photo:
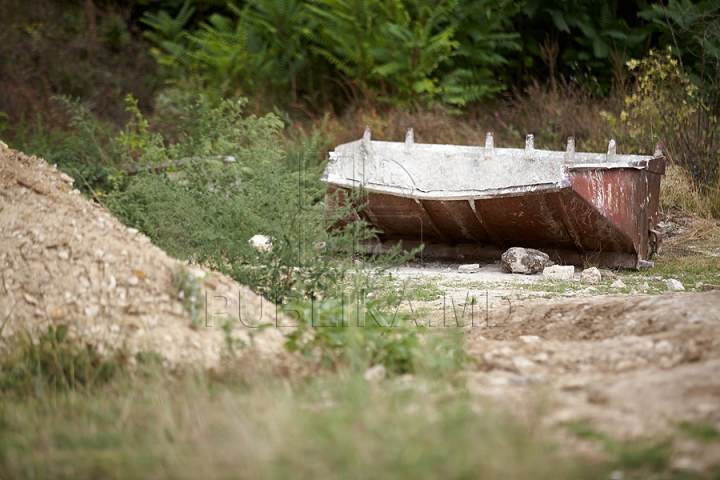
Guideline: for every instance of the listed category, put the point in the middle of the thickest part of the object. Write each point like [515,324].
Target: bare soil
[628,365]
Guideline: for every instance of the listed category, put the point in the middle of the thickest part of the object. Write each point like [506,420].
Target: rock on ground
[469,268]
[527,261]
[261,243]
[674,285]
[591,276]
[375,374]
[559,272]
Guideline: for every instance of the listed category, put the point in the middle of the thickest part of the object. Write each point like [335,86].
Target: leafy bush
[188,292]
[670,105]
[400,52]
[225,178]
[359,331]
[88,152]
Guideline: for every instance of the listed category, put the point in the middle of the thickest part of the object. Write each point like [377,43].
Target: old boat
[467,201]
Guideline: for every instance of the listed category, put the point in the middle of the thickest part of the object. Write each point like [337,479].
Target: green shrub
[358,331]
[188,292]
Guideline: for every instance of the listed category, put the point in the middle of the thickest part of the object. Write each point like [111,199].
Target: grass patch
[700,431]
[640,458]
[51,364]
[153,425]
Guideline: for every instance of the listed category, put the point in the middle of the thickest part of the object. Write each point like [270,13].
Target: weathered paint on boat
[580,208]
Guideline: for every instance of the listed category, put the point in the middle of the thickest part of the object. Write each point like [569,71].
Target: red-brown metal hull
[603,217]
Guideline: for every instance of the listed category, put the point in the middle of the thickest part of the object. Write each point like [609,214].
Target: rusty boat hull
[464,202]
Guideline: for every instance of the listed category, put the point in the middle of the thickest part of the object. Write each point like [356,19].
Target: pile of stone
[64,260]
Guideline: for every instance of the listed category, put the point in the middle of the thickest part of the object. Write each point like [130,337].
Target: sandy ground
[64,260]
[632,366]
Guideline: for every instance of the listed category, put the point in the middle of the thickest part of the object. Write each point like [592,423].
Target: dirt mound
[631,366]
[64,260]
[607,334]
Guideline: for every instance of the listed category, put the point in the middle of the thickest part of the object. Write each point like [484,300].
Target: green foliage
[279,28]
[218,52]
[485,38]
[702,431]
[693,30]
[88,153]
[189,292]
[359,331]
[641,455]
[4,124]
[227,180]
[399,52]
[668,106]
[136,141]
[114,32]
[53,364]
[593,39]
[414,41]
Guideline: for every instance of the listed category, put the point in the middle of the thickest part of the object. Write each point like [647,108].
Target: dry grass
[153,425]
[679,190]
[551,115]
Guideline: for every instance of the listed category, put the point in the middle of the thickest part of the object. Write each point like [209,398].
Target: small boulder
[591,276]
[674,285]
[375,374]
[469,268]
[607,274]
[524,260]
[618,284]
[559,272]
[261,243]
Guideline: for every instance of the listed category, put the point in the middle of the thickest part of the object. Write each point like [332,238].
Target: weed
[700,431]
[361,332]
[189,292]
[635,455]
[331,427]
[51,363]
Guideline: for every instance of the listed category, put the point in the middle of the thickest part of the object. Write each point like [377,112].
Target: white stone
[30,299]
[261,243]
[522,363]
[526,261]
[375,374]
[559,272]
[63,255]
[66,178]
[618,284]
[674,285]
[530,338]
[198,273]
[591,276]
[469,268]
